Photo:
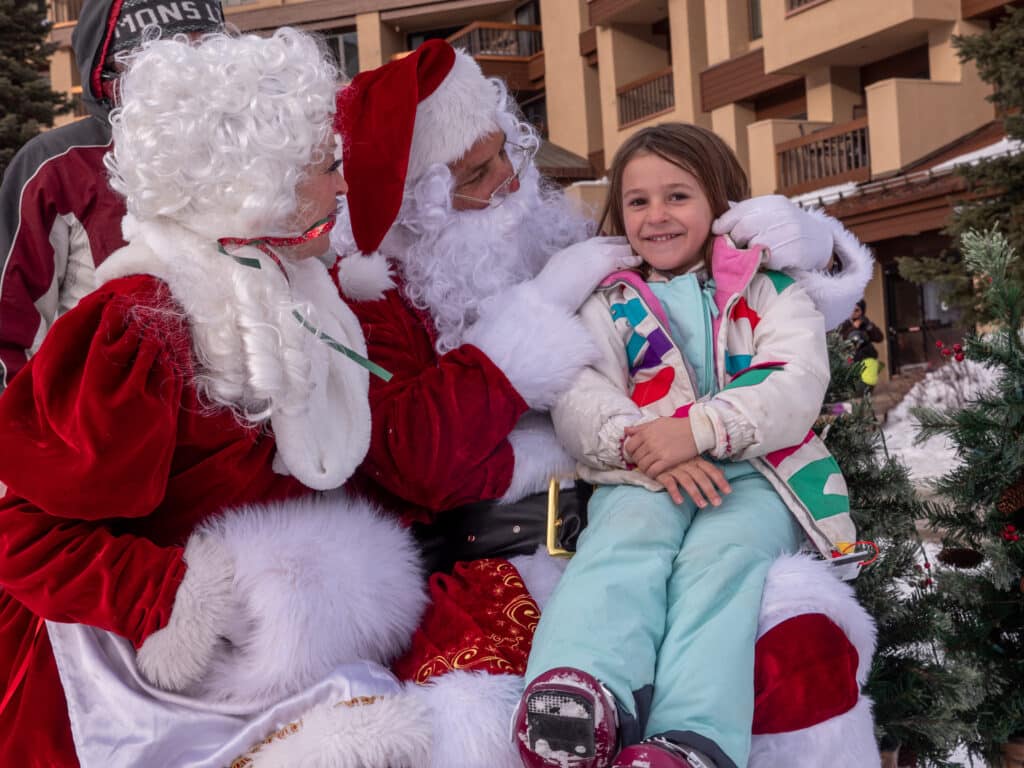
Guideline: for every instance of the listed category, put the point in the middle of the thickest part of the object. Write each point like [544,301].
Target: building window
[416,39]
[535,111]
[528,13]
[344,47]
[754,8]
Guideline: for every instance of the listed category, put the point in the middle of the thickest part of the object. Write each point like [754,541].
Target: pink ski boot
[566,719]
[660,753]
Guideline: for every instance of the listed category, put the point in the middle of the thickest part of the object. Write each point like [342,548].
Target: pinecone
[960,557]
[1012,500]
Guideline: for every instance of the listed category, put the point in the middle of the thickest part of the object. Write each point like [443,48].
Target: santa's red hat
[399,119]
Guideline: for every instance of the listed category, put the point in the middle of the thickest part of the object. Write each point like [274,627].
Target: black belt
[489,529]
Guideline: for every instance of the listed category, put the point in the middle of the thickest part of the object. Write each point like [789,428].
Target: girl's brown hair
[690,147]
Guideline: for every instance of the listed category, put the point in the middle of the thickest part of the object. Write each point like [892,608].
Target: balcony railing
[793,6]
[494,38]
[66,10]
[646,97]
[830,156]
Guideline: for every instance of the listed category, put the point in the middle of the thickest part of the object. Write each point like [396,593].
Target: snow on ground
[949,386]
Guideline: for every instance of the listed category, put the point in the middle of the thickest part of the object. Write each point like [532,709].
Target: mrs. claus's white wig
[217,134]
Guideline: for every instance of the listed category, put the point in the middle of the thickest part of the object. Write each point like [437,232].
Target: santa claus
[459,259]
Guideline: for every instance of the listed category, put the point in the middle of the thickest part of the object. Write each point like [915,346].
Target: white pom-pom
[365,278]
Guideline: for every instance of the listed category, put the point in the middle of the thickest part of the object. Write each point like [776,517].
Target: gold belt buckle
[554,520]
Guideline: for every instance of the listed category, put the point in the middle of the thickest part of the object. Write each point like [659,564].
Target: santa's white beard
[451,261]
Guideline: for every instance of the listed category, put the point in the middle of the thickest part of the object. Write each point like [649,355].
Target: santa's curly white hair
[218,134]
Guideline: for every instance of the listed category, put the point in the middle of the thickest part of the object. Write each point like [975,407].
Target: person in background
[864,334]
[59,218]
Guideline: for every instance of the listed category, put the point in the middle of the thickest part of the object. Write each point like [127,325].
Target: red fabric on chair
[805,672]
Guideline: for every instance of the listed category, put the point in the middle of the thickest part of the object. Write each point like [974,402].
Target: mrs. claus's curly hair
[217,135]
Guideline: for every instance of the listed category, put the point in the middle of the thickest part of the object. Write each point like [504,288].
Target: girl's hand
[660,444]
[702,481]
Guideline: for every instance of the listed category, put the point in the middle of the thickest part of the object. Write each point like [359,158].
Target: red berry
[958,348]
[939,344]
[1011,528]
[928,582]
[959,357]
[928,565]
[947,352]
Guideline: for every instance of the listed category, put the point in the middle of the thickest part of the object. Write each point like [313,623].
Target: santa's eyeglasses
[497,197]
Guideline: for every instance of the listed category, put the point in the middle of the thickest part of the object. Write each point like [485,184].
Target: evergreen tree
[998,181]
[983,521]
[27,102]
[919,698]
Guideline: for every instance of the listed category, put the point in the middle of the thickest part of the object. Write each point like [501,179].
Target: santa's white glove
[795,238]
[572,274]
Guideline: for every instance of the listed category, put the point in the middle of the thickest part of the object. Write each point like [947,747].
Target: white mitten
[205,610]
[795,238]
[572,274]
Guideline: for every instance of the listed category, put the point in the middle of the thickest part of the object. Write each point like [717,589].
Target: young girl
[647,645]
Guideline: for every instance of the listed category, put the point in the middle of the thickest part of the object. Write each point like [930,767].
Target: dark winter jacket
[59,218]
[861,337]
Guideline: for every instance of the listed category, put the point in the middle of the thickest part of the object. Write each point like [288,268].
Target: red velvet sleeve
[87,433]
[440,426]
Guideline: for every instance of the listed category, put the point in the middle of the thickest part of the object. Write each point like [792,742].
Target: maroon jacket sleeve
[56,178]
[440,426]
[87,435]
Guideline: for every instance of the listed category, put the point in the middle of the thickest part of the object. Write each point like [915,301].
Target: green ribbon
[337,346]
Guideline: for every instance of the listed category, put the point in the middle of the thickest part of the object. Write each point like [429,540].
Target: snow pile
[950,386]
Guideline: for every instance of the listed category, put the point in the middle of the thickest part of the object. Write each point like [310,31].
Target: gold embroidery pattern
[465,658]
[245,761]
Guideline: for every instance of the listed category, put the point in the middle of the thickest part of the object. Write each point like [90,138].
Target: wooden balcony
[830,156]
[974,9]
[66,11]
[646,98]
[495,38]
[513,52]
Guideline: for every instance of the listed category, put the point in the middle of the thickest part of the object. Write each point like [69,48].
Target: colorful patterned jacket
[771,369]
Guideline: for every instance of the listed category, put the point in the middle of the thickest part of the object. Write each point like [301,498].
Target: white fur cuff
[540,347]
[538,457]
[177,655]
[835,295]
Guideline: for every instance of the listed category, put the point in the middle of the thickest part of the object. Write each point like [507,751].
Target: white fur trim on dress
[540,347]
[178,655]
[471,716]
[323,580]
[799,584]
[540,573]
[844,741]
[538,457]
[390,731]
[365,278]
[462,110]
[835,295]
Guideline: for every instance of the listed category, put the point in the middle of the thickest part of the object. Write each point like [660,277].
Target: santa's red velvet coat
[440,425]
[111,461]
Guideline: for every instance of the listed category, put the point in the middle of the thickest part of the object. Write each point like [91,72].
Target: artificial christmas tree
[919,698]
[984,512]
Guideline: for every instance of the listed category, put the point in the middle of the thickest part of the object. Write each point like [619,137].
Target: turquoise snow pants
[661,604]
